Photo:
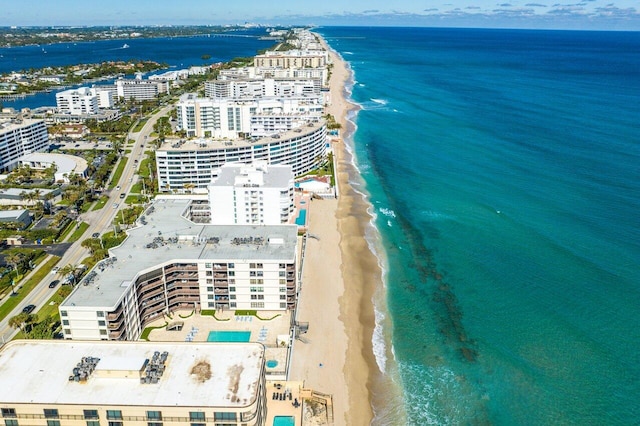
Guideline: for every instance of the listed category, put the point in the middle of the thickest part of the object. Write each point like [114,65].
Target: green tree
[21,321]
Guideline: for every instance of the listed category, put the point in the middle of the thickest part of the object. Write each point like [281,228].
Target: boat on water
[125,46]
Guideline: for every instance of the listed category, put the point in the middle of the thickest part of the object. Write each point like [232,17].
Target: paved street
[99,221]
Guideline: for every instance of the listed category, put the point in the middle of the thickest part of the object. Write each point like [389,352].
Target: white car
[55,270]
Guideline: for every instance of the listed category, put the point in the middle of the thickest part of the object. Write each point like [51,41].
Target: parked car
[28,309]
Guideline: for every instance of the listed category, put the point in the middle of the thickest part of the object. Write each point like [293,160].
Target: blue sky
[560,14]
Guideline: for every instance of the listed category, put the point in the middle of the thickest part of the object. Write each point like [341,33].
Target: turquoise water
[229,336]
[502,167]
[272,363]
[284,421]
[301,220]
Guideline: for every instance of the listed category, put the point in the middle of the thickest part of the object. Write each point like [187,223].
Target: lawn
[100,203]
[118,173]
[140,125]
[78,232]
[27,286]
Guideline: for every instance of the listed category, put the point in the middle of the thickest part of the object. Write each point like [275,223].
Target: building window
[90,414]
[154,415]
[207,265]
[232,304]
[232,281]
[115,423]
[283,306]
[232,297]
[224,416]
[257,304]
[282,266]
[154,423]
[232,289]
[103,332]
[93,423]
[100,314]
[51,413]
[102,323]
[196,416]
[63,313]
[210,289]
[10,422]
[210,296]
[53,422]
[211,304]
[209,281]
[65,322]
[282,273]
[283,297]
[8,412]
[232,265]
[232,274]
[114,415]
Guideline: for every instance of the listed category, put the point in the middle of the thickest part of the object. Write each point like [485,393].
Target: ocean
[176,52]
[503,170]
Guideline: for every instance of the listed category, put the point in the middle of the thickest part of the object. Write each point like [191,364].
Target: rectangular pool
[229,336]
[284,421]
[301,220]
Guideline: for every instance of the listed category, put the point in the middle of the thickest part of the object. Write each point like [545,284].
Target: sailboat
[125,46]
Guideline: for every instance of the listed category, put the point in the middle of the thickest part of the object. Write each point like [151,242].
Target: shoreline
[339,285]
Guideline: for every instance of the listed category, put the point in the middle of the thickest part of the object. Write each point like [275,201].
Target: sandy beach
[340,275]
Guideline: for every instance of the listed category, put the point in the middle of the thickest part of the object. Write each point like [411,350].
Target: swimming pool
[284,421]
[272,363]
[301,220]
[229,336]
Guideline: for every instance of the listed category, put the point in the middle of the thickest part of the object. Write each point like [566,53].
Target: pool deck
[196,328]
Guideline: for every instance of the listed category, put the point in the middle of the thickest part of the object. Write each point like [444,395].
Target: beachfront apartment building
[262,87]
[293,59]
[19,137]
[53,383]
[321,73]
[170,263]
[195,163]
[258,194]
[234,118]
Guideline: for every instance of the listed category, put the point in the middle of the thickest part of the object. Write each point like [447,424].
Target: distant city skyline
[551,14]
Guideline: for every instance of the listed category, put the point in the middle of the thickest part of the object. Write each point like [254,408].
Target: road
[99,221]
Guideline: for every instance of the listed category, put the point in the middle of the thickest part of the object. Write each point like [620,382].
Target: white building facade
[20,137]
[77,101]
[258,194]
[182,265]
[196,163]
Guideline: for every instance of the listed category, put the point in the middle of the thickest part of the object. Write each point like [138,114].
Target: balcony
[113,316]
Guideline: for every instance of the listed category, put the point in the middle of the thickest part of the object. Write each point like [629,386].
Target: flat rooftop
[203,144]
[167,236]
[37,372]
[263,175]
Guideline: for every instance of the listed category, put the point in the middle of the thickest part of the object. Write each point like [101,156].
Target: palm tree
[14,259]
[21,321]
[68,271]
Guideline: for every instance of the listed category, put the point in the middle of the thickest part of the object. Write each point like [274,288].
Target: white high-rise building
[170,263]
[252,194]
[77,101]
[83,100]
[20,137]
[229,118]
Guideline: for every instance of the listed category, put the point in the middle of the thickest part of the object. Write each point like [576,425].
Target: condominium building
[232,118]
[53,383]
[292,59]
[252,194]
[139,89]
[169,263]
[19,137]
[262,87]
[77,101]
[195,163]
